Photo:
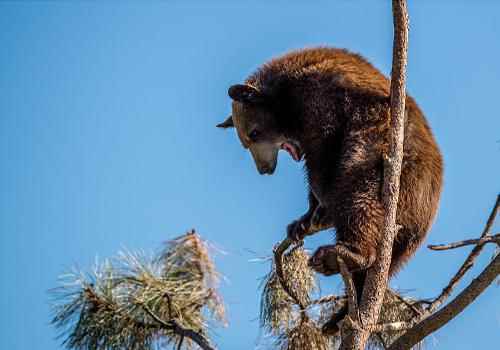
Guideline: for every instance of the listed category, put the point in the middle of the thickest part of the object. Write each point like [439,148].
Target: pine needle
[306,335]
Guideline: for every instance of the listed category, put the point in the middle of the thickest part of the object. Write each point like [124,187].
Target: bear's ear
[228,123]
[245,93]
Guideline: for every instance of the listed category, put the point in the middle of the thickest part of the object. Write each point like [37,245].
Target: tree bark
[356,336]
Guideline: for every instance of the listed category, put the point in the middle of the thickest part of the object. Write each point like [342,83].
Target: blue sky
[107,140]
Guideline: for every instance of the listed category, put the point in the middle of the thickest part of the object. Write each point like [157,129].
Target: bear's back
[348,70]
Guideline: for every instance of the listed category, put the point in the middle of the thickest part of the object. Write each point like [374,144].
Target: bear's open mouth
[293,149]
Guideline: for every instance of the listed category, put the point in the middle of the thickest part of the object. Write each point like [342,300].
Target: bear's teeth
[291,149]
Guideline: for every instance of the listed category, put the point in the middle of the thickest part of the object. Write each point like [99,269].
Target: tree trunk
[355,334]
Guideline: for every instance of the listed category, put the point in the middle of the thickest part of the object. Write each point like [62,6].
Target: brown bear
[331,108]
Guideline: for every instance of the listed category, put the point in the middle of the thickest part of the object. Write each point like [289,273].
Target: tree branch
[173,326]
[457,305]
[429,322]
[376,282]
[468,263]
[488,239]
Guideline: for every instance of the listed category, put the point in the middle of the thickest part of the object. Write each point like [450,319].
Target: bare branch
[488,239]
[430,322]
[468,263]
[376,282]
[457,305]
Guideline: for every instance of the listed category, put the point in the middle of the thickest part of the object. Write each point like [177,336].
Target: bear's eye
[254,135]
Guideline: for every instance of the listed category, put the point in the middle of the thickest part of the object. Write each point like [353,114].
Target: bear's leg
[305,226]
[359,216]
[300,228]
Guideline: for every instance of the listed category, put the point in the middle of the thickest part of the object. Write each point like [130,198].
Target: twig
[179,346]
[278,262]
[173,326]
[488,239]
[468,263]
[169,304]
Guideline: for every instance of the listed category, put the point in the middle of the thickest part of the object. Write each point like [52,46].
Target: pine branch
[182,332]
[135,302]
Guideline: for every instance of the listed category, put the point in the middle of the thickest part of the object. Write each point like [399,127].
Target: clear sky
[108,140]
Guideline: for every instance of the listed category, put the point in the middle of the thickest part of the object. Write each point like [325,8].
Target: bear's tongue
[292,150]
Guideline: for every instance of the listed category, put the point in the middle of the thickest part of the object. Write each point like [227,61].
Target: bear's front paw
[324,260]
[298,229]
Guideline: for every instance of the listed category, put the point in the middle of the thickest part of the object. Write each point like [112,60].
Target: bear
[330,108]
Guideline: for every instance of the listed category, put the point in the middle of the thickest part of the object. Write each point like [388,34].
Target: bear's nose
[264,169]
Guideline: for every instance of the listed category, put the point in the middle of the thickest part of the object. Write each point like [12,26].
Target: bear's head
[257,127]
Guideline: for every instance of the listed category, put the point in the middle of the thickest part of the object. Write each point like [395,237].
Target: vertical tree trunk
[373,292]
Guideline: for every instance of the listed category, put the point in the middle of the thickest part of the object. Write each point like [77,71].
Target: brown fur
[335,105]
